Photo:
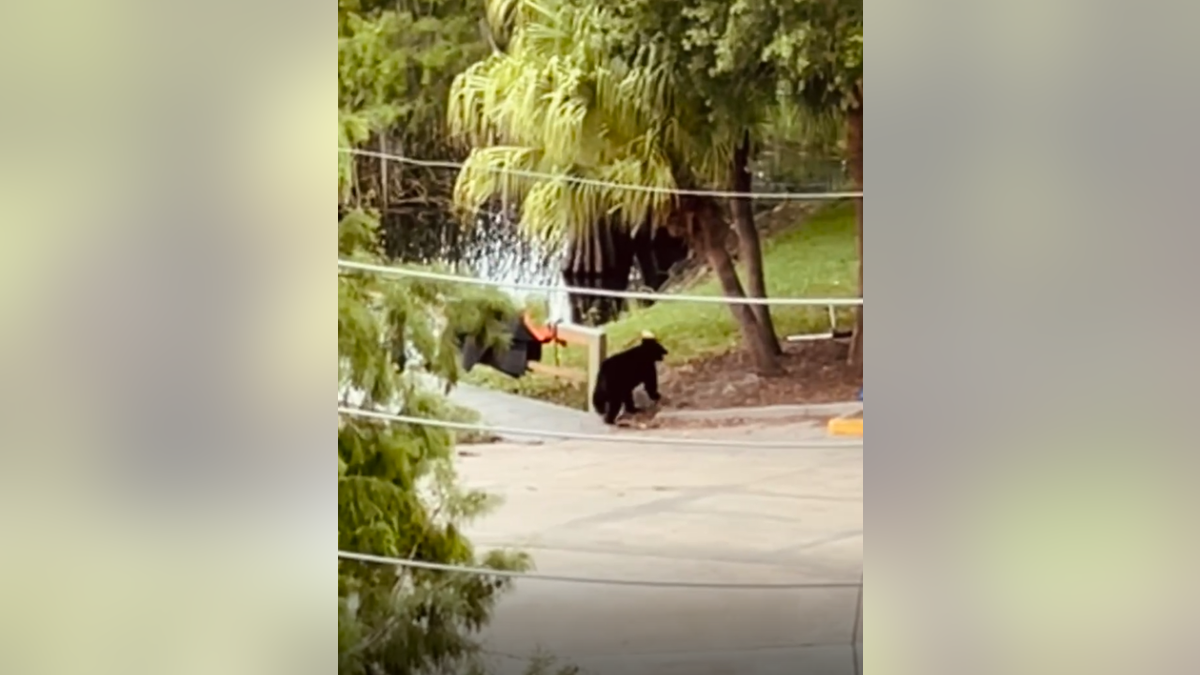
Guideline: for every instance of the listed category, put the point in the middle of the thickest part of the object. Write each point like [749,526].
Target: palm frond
[570,100]
[496,172]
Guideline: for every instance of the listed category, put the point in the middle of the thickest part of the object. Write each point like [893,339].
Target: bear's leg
[651,385]
[630,407]
[611,411]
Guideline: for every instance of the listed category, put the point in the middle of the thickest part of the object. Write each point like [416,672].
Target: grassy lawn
[816,259]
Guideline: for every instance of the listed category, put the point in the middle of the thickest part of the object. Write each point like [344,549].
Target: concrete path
[506,410]
[794,412]
[725,515]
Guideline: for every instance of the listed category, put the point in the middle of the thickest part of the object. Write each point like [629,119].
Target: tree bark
[713,231]
[750,243]
[855,146]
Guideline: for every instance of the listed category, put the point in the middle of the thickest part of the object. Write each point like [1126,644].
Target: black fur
[621,373]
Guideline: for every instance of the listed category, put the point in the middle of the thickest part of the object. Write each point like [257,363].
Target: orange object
[543,334]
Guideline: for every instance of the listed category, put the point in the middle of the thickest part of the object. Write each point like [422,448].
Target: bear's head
[651,345]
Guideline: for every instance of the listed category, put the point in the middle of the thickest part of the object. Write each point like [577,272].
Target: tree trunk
[713,231]
[855,146]
[750,243]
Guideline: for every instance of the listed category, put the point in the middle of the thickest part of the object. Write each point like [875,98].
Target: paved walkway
[506,410]
[726,515]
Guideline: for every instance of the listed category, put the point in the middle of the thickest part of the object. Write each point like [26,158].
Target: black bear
[621,373]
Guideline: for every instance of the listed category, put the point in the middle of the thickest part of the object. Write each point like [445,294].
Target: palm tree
[567,94]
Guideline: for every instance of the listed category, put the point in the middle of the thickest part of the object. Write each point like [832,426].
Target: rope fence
[675,441]
[592,581]
[591,182]
[595,292]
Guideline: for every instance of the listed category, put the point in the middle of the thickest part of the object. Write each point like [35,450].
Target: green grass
[534,385]
[814,259]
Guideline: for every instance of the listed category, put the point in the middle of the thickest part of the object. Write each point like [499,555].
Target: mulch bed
[817,372]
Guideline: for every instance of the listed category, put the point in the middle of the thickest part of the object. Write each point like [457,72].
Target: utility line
[591,182]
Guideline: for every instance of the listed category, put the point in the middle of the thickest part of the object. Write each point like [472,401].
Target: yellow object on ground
[846,427]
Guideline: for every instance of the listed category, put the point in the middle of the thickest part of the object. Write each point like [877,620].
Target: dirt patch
[816,373]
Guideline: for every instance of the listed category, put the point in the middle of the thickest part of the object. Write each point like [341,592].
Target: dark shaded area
[491,247]
[608,258]
[513,360]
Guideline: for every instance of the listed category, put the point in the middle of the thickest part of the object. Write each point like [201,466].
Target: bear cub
[621,373]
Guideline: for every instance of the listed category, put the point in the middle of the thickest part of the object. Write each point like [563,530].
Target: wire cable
[592,581]
[595,292]
[600,438]
[591,182]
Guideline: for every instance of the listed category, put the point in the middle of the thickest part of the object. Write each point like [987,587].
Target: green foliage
[802,149]
[398,495]
[813,47]
[554,101]
[656,93]
[397,59]
[397,490]
[396,62]
[568,96]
